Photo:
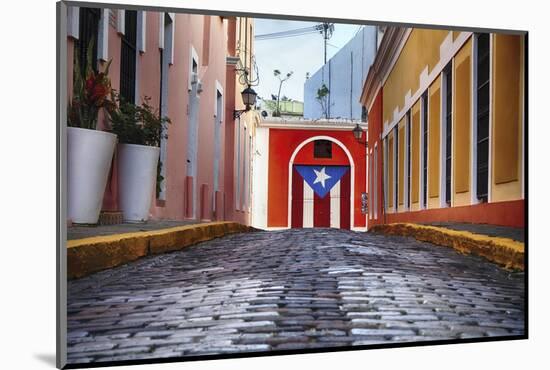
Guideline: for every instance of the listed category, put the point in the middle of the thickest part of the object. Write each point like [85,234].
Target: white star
[321,176]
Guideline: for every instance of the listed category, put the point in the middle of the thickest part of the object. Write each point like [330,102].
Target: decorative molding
[171,35]
[491,116]
[161,31]
[352,173]
[141,31]
[73,21]
[473,128]
[121,20]
[311,125]
[103,36]
[424,79]
[434,73]
[192,56]
[390,47]
[219,88]
[443,140]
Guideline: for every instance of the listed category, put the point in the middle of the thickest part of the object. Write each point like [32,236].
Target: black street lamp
[249,100]
[358,134]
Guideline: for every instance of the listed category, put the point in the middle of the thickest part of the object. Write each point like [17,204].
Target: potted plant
[89,151]
[140,129]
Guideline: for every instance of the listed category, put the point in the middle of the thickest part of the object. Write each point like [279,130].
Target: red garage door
[320,196]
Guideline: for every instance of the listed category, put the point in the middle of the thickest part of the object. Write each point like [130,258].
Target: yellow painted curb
[503,251]
[88,255]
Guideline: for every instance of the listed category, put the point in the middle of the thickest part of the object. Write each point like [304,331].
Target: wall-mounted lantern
[358,134]
[249,99]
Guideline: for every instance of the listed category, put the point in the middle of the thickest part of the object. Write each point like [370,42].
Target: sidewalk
[80,232]
[95,248]
[514,233]
[499,244]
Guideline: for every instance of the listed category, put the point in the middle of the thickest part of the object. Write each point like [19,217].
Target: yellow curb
[503,251]
[88,255]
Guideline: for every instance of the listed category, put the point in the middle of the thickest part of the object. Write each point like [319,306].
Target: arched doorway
[321,179]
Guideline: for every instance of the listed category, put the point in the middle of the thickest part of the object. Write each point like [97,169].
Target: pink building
[186,64]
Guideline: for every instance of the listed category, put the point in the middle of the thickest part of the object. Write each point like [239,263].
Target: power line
[286,33]
[326,29]
[358,29]
[284,36]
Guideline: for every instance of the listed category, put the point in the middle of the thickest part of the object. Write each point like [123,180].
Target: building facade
[446,118]
[344,75]
[287,108]
[187,65]
[308,174]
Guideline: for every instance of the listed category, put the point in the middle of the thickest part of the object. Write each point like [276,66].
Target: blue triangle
[312,173]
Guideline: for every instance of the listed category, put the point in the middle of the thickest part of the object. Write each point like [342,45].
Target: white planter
[89,157]
[137,173]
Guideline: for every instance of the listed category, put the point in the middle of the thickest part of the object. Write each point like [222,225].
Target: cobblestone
[292,289]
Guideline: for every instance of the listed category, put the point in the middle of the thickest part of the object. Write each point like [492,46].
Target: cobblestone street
[291,289]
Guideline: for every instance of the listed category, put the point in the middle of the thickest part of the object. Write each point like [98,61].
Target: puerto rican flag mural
[320,196]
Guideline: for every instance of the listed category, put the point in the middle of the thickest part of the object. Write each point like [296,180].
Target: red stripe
[321,210]
[345,191]
[297,199]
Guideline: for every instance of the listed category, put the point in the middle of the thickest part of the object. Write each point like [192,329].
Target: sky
[300,54]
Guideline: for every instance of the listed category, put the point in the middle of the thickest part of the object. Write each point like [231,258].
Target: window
[385,174]
[238,164]
[448,130]
[128,57]
[482,114]
[396,166]
[408,157]
[249,159]
[370,190]
[364,114]
[375,187]
[161,53]
[245,170]
[217,142]
[88,30]
[164,58]
[424,149]
[322,149]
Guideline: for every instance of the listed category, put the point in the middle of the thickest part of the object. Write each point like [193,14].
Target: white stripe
[308,206]
[335,206]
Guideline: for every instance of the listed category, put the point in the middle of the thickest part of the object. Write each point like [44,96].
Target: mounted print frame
[237,184]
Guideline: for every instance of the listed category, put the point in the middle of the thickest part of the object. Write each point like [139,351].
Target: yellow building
[452,125]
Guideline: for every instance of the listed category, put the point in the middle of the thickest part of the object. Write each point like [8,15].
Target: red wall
[282,143]
[374,134]
[511,213]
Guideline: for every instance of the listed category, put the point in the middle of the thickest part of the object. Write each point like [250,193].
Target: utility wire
[358,29]
[290,33]
[284,36]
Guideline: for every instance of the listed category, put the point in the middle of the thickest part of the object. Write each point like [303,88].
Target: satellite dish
[264,114]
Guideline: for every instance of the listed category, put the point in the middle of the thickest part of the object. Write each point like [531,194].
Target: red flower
[99,92]
[90,82]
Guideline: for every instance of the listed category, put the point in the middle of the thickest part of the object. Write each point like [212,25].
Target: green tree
[322,97]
